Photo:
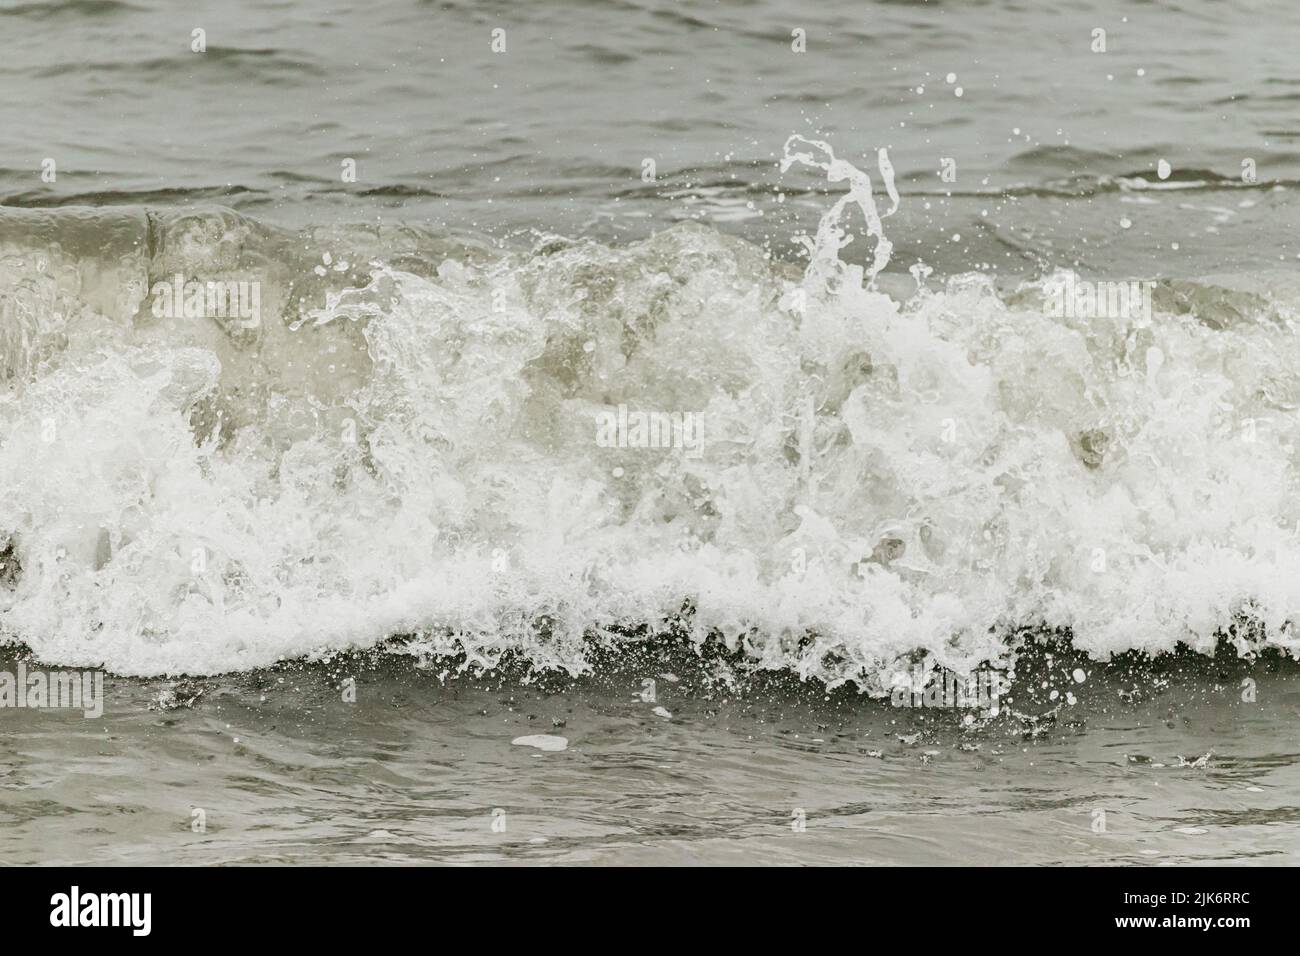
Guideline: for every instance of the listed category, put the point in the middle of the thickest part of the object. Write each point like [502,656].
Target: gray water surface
[1150,766]
[1053,143]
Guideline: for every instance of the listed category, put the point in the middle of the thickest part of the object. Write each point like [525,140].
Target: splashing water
[409,448]
[825,265]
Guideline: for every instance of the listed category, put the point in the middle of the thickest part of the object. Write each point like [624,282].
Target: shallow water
[419,769]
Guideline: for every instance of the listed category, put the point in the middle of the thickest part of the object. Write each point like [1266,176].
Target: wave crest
[409,443]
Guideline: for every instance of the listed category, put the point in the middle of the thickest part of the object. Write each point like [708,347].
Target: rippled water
[553,133]
[341,558]
[1157,766]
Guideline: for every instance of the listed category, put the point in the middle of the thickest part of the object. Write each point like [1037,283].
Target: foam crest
[408,446]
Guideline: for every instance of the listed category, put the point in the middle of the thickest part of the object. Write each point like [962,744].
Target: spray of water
[408,446]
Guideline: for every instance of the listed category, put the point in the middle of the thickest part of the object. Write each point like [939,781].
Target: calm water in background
[1056,150]
[552,134]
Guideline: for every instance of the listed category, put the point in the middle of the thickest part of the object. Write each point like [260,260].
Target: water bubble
[1163,170]
[1125,222]
[951,78]
[958,92]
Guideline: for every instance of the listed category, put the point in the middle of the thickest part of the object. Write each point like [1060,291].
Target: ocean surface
[380,564]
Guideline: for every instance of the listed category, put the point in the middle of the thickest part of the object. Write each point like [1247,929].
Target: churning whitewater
[405,442]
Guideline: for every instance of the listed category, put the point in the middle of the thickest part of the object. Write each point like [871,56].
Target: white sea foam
[876,477]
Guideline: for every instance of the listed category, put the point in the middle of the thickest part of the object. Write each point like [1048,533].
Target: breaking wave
[406,441]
